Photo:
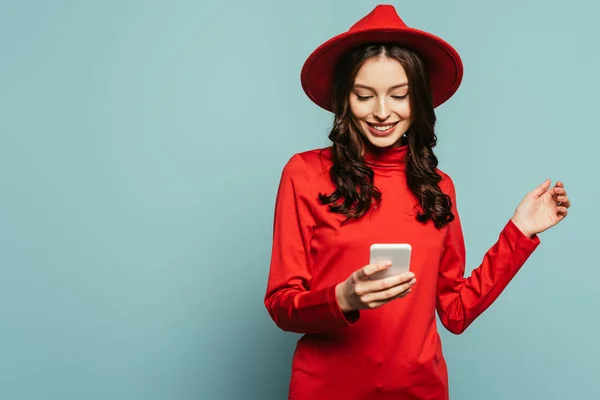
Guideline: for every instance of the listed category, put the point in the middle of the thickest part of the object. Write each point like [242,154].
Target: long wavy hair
[355,193]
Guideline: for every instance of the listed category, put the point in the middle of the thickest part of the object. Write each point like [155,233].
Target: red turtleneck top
[392,352]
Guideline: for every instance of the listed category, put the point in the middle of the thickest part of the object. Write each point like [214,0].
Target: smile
[381,130]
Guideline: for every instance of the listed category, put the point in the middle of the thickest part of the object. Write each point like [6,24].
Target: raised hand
[542,208]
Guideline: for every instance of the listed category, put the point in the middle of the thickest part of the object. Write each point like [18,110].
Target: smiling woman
[378,182]
[381,100]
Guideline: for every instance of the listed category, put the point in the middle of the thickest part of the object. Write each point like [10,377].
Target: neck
[387,157]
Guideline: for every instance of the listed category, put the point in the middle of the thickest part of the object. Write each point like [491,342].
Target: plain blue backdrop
[141,144]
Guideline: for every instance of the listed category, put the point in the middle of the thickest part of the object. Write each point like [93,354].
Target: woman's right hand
[358,292]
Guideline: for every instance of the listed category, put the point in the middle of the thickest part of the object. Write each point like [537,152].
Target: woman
[379,183]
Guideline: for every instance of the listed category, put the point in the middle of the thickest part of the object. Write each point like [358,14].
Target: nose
[382,111]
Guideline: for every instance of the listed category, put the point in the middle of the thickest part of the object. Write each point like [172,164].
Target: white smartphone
[397,253]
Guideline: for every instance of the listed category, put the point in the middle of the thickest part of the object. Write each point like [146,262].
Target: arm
[289,300]
[461,300]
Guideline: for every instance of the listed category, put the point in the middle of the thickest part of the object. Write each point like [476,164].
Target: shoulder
[309,162]
[315,157]
[446,184]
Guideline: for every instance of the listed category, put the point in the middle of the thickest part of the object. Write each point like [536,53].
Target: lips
[378,132]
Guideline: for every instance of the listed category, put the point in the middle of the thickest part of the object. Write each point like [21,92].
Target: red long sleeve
[289,299]
[461,300]
[393,351]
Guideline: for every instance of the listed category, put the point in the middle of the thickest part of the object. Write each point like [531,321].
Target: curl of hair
[355,193]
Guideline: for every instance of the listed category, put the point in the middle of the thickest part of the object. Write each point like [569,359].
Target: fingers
[556,190]
[401,295]
[543,187]
[562,206]
[370,286]
[365,272]
[388,294]
[563,201]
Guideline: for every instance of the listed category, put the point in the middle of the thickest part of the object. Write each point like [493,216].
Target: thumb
[541,189]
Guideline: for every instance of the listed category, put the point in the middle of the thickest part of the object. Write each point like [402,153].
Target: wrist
[341,301]
[522,228]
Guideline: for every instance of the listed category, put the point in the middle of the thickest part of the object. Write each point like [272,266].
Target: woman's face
[379,101]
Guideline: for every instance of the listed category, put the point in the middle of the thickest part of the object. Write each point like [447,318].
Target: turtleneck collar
[389,158]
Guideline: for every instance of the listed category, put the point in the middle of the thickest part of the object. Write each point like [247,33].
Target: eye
[400,97]
[363,98]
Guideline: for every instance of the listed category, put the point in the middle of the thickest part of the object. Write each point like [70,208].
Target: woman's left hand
[542,208]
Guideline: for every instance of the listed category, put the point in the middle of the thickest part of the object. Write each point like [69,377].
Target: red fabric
[393,352]
[382,25]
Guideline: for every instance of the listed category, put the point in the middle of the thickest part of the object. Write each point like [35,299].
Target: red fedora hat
[382,25]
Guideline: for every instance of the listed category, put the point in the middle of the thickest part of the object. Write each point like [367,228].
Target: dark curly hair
[355,192]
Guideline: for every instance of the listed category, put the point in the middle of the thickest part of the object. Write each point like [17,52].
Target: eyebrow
[358,85]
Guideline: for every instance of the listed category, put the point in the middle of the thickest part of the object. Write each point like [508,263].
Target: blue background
[141,144]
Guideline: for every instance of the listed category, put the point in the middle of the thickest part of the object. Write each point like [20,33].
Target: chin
[382,142]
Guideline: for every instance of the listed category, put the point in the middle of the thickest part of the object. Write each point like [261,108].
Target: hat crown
[382,16]
[382,25]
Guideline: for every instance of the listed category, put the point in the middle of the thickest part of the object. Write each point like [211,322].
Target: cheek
[359,110]
[403,110]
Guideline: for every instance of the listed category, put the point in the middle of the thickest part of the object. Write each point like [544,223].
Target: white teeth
[383,128]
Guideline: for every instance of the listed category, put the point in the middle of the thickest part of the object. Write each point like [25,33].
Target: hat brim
[443,62]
